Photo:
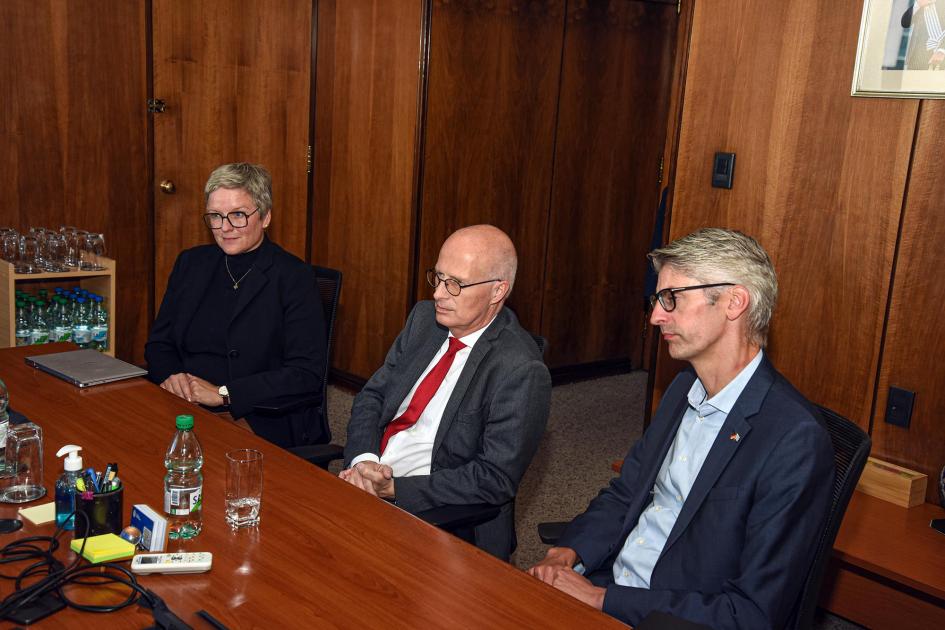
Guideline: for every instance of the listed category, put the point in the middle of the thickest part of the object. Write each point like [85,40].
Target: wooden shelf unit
[99,282]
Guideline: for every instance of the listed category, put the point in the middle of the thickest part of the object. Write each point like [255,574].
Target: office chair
[328,284]
[452,518]
[851,447]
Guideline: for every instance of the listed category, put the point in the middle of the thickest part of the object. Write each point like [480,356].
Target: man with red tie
[456,412]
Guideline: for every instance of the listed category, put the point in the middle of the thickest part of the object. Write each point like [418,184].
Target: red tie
[425,391]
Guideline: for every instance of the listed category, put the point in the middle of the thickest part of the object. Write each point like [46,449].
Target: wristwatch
[224,394]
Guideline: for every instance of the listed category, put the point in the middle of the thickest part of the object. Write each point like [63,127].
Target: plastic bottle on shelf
[99,324]
[22,324]
[39,327]
[183,484]
[60,326]
[81,328]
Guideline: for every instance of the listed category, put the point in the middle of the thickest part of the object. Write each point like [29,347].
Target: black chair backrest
[329,291]
[851,447]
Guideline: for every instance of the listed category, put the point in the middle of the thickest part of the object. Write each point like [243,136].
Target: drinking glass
[71,234]
[10,246]
[26,258]
[244,484]
[55,252]
[93,249]
[24,464]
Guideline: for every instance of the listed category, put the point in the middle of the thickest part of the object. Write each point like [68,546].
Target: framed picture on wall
[901,52]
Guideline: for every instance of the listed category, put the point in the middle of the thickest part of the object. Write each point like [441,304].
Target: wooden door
[73,136]
[615,84]
[490,128]
[236,80]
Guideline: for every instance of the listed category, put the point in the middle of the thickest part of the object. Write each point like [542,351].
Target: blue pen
[93,477]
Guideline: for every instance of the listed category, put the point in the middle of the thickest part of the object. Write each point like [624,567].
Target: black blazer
[275,341]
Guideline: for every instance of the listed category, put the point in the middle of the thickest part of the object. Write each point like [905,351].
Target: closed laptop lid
[85,368]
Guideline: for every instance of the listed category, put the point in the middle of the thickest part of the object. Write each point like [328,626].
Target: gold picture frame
[901,49]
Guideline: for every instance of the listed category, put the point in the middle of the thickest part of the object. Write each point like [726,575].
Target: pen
[90,480]
[107,475]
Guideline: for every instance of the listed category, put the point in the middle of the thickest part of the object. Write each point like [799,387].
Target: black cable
[58,576]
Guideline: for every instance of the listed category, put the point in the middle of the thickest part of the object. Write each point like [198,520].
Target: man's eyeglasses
[667,297]
[237,218]
[453,287]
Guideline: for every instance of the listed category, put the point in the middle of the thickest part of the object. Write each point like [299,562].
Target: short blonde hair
[253,178]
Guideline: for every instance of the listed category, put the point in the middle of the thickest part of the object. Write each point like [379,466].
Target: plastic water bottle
[99,321]
[82,328]
[183,484]
[22,324]
[60,326]
[39,327]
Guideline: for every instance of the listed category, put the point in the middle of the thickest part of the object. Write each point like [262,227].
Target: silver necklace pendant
[236,283]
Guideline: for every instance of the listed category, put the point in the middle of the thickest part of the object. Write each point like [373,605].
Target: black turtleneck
[205,340]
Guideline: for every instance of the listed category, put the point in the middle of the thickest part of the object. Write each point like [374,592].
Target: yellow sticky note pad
[104,548]
[40,514]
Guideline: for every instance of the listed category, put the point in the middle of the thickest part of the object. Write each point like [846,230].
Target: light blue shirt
[697,432]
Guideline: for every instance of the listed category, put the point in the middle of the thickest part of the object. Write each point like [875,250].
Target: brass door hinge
[308,160]
[659,173]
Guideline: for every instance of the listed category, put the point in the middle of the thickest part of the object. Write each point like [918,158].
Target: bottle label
[182,501]
[60,334]
[38,337]
[81,335]
[99,334]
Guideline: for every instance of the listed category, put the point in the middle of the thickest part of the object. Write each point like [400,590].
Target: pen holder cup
[103,512]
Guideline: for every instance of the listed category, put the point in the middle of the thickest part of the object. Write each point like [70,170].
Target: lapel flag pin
[735,437]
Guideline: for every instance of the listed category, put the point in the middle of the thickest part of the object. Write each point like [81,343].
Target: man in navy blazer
[718,506]
[472,441]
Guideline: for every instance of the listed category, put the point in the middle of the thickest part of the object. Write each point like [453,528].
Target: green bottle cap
[185,423]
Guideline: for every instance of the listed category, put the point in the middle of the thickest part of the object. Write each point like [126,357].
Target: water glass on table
[244,484]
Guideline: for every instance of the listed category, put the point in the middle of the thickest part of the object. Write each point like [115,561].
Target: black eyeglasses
[237,218]
[667,297]
[453,287]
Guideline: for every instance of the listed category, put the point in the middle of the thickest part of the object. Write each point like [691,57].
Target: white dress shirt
[410,452]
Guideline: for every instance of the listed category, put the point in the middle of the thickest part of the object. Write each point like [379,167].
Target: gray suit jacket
[490,428]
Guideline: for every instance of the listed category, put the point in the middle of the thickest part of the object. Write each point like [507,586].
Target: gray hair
[719,255]
[252,178]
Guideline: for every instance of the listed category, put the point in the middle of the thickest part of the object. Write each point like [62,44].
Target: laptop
[85,368]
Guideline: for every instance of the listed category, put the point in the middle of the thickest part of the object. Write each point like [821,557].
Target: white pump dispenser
[73,461]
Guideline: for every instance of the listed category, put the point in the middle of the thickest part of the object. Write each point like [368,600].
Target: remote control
[172,562]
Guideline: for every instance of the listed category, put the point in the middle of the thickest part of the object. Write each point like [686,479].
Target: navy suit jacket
[275,339]
[490,428]
[741,548]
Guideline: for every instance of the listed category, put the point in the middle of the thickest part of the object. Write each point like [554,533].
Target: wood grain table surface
[325,555]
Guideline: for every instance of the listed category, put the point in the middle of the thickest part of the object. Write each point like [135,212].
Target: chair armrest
[454,516]
[318,454]
[285,404]
[551,533]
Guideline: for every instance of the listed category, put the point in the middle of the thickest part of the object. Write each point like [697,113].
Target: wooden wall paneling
[617,67]
[491,104]
[236,78]
[818,180]
[73,136]
[366,112]
[914,336]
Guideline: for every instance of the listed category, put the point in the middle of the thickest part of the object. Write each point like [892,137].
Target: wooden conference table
[324,555]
